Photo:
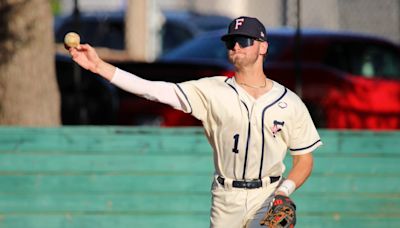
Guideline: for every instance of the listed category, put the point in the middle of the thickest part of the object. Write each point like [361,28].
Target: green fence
[160,177]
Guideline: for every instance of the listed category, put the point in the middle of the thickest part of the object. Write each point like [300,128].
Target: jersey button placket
[253,121]
[253,116]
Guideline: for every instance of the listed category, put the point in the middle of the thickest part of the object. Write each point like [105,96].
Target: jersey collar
[276,91]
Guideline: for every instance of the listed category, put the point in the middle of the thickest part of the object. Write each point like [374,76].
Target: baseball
[72,40]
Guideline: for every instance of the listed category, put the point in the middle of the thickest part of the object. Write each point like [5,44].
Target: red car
[347,80]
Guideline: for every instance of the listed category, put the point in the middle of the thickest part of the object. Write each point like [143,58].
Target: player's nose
[237,46]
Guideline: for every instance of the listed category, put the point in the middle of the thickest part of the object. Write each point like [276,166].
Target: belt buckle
[253,184]
[249,184]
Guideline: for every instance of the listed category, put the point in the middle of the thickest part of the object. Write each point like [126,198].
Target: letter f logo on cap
[239,22]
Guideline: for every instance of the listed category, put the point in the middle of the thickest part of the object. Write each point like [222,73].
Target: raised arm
[163,92]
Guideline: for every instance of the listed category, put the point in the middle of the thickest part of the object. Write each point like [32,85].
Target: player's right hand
[86,56]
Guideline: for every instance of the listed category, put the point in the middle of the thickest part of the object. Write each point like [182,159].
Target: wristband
[287,187]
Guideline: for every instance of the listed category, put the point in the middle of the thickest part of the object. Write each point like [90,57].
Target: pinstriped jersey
[250,137]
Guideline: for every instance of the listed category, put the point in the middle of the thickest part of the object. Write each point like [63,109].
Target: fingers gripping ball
[72,40]
[282,213]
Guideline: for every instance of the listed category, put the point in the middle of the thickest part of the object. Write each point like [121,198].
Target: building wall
[370,16]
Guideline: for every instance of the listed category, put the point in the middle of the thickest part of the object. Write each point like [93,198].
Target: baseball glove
[282,213]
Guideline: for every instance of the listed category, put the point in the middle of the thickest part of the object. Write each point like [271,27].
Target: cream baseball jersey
[250,137]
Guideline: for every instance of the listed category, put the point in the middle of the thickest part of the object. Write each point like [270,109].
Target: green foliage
[55,7]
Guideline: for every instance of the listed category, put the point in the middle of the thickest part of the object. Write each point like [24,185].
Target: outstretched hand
[86,56]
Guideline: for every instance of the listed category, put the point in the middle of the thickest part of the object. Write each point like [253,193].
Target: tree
[29,93]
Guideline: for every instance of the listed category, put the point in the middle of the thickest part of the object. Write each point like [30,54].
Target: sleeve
[193,97]
[158,91]
[304,136]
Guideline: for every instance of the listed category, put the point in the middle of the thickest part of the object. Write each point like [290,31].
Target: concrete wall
[370,16]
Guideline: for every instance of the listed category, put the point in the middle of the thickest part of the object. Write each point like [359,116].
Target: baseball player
[249,120]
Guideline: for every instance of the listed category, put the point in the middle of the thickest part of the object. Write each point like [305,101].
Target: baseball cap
[246,26]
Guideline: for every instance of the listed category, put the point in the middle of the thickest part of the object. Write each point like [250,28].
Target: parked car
[107,29]
[347,80]
[92,100]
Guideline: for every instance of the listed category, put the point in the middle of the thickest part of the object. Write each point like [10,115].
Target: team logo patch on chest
[282,104]
[277,127]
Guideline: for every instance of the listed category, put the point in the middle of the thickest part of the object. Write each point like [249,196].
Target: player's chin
[233,58]
[237,61]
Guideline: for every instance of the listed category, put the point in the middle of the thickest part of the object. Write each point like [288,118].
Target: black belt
[247,184]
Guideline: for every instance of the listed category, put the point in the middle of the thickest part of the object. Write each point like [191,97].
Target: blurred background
[76,151]
[340,57]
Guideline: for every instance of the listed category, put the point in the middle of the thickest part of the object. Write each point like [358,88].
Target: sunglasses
[241,40]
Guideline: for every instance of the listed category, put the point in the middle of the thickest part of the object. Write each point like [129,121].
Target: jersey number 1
[235,147]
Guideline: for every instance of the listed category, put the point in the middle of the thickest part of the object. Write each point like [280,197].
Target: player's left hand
[282,213]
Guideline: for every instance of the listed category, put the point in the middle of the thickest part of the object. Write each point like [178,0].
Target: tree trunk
[29,93]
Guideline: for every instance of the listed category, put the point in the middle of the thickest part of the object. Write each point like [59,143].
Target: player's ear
[263,48]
